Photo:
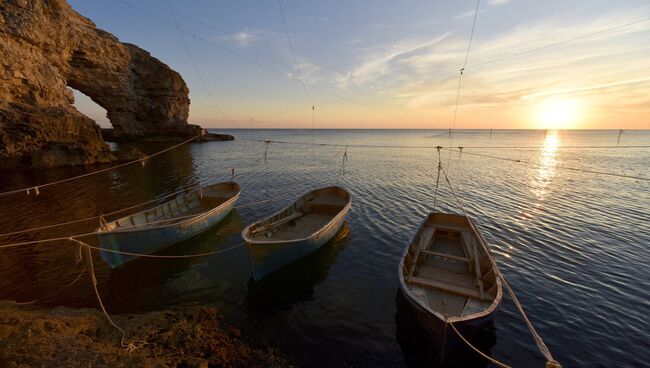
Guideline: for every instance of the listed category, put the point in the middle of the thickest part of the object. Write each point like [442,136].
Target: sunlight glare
[558,113]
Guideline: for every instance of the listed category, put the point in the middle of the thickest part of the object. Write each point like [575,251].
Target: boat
[297,230]
[184,217]
[448,276]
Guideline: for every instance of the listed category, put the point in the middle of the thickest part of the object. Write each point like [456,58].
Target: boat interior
[178,209]
[448,270]
[306,216]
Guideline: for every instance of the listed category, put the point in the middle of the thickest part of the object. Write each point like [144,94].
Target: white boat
[149,231]
[297,230]
[447,275]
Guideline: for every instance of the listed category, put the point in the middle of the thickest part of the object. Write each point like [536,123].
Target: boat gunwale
[497,298]
[198,216]
[342,212]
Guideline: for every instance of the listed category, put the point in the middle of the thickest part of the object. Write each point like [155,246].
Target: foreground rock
[48,47]
[63,337]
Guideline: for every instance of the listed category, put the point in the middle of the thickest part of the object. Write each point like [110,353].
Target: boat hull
[148,241]
[268,257]
[443,337]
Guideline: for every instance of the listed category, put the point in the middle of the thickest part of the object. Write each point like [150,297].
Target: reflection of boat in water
[182,218]
[420,350]
[300,229]
[295,282]
[448,276]
[145,282]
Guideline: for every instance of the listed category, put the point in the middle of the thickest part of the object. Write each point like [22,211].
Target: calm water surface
[573,245]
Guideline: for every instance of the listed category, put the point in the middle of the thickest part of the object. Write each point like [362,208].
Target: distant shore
[191,336]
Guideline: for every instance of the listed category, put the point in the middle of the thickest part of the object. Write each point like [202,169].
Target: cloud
[248,37]
[243,38]
[601,69]
[497,2]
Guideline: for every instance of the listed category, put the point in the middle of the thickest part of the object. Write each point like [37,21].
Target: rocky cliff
[48,47]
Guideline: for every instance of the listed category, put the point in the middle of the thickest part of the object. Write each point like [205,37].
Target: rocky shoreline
[189,336]
[109,135]
[48,49]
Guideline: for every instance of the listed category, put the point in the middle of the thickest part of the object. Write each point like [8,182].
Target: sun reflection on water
[544,175]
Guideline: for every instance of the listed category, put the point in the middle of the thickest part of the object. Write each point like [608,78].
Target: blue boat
[448,276]
[149,231]
[300,229]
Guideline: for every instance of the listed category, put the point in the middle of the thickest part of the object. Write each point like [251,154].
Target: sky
[395,64]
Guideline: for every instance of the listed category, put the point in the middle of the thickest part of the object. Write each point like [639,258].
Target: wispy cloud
[607,68]
[497,2]
[244,38]
[248,37]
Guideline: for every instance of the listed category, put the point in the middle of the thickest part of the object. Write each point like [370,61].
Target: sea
[566,214]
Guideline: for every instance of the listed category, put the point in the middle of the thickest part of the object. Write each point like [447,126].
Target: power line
[142,161]
[268,67]
[479,65]
[293,54]
[460,77]
[196,69]
[569,168]
[351,98]
[462,149]
[435,147]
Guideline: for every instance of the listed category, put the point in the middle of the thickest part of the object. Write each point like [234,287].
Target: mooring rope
[103,215]
[550,362]
[435,195]
[131,346]
[559,167]
[266,169]
[36,188]
[162,256]
[342,168]
[489,358]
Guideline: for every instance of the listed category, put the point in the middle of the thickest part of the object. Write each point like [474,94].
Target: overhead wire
[269,67]
[460,78]
[196,69]
[293,54]
[471,66]
[469,153]
[383,89]
[139,160]
[551,362]
[560,167]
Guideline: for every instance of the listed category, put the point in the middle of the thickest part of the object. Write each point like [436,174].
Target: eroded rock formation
[47,47]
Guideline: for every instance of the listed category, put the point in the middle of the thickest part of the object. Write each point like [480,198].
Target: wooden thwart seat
[446,287]
[277,223]
[443,255]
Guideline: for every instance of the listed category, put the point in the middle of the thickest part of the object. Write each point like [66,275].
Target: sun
[557,113]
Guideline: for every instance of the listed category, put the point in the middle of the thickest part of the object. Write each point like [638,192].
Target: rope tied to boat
[550,361]
[489,358]
[140,160]
[266,170]
[342,168]
[435,195]
[129,347]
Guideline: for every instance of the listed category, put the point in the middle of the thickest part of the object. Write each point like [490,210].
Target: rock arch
[47,47]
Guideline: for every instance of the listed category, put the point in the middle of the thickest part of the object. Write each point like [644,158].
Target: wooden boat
[297,230]
[149,231]
[447,275]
